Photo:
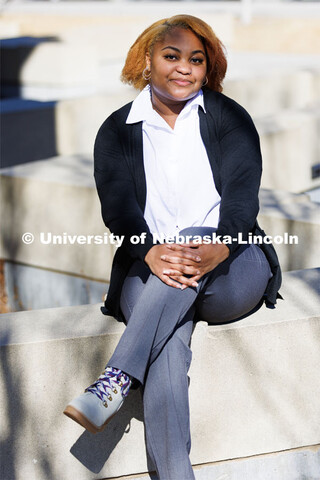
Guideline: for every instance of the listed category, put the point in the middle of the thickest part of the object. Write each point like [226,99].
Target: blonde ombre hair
[215,51]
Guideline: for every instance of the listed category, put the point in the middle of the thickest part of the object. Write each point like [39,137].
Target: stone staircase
[263,396]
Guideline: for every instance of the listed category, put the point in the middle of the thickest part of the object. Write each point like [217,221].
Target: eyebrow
[177,50]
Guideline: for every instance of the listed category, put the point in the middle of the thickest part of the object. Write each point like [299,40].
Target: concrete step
[262,392]
[269,84]
[290,145]
[47,61]
[45,129]
[295,216]
[302,463]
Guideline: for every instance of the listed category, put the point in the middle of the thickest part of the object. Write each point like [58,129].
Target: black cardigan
[233,149]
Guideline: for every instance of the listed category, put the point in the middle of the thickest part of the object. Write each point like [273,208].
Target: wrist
[224,250]
[150,255]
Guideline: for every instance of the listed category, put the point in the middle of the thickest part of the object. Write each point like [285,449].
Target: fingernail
[194,284]
[198,272]
[166,272]
[198,259]
[163,257]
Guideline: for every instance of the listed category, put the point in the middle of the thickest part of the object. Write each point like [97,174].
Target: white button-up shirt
[180,187]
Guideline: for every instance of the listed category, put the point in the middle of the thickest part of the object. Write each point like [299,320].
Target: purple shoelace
[111,379]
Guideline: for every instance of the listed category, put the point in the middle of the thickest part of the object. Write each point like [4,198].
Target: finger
[196,278]
[181,270]
[169,281]
[183,247]
[181,259]
[174,246]
[178,276]
[172,272]
[185,281]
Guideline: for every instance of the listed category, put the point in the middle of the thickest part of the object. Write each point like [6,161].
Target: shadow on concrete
[11,241]
[9,435]
[13,407]
[28,131]
[14,53]
[93,451]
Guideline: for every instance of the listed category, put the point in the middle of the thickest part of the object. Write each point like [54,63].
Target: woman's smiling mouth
[181,82]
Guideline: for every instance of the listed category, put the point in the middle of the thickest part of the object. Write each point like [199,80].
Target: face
[178,66]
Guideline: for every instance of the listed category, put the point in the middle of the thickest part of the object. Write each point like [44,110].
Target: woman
[182,159]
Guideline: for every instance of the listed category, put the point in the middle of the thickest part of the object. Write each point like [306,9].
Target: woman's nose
[184,67]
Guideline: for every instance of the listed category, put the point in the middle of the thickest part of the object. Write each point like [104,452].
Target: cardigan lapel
[136,162]
[207,131]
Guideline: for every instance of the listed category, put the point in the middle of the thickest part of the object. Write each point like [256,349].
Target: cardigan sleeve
[240,173]
[121,212]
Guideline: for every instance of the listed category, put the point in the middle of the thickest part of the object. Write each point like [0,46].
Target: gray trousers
[154,347]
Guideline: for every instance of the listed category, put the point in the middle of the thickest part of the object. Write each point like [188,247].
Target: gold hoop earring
[145,75]
[205,82]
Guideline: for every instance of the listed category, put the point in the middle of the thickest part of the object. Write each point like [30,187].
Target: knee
[230,307]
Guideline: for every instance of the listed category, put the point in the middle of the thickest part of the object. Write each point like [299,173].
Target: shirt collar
[141,108]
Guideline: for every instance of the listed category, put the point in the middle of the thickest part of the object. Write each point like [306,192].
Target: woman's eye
[197,60]
[170,57]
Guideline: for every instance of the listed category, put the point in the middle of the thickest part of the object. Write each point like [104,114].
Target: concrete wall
[282,213]
[262,391]
[32,288]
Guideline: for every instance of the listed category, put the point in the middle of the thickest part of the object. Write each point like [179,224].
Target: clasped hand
[182,265]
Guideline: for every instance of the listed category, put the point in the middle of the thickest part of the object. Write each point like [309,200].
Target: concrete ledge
[261,376]
[284,213]
[295,464]
[47,61]
[266,85]
[78,120]
[288,139]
